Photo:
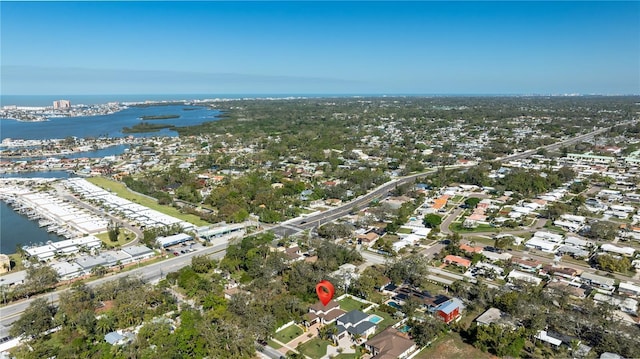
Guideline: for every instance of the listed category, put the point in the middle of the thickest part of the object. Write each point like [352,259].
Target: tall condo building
[61,104]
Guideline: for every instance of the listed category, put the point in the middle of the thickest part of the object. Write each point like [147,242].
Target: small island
[158,117]
[146,127]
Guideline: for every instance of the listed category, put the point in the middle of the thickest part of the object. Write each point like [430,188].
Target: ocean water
[17,229]
[47,100]
[107,125]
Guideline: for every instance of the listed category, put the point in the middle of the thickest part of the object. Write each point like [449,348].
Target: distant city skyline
[320,48]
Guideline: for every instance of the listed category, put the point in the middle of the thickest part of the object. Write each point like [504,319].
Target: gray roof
[113,337]
[135,251]
[88,262]
[594,278]
[361,328]
[353,317]
[493,315]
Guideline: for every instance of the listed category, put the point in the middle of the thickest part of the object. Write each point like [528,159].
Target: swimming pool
[375,319]
[405,328]
[394,304]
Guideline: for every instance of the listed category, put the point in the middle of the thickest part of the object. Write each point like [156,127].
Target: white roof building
[578,242]
[552,237]
[629,288]
[625,251]
[67,270]
[573,218]
[542,244]
[514,274]
[494,257]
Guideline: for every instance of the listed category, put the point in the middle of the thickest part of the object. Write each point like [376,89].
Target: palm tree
[105,324]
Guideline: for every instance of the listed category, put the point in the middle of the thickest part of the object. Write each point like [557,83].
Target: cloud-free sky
[320,47]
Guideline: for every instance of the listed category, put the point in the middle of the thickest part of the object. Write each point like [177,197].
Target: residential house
[625,251]
[323,314]
[628,288]
[627,305]
[115,338]
[471,250]
[545,337]
[449,310]
[391,344]
[565,272]
[495,316]
[598,281]
[526,265]
[293,254]
[368,238]
[356,323]
[457,260]
[494,257]
[567,287]
[517,275]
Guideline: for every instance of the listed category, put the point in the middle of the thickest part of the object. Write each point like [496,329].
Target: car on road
[176,253]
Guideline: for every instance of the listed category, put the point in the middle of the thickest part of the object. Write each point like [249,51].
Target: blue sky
[320,47]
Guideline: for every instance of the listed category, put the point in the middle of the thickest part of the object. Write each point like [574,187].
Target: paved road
[557,145]
[151,272]
[300,224]
[444,226]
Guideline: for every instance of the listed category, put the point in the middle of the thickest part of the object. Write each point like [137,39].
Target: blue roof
[448,307]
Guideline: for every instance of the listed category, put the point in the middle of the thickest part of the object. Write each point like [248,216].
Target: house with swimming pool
[357,324]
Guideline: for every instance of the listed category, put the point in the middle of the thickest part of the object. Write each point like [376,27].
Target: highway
[558,145]
[149,273]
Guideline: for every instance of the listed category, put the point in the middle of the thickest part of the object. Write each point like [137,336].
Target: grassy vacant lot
[288,334]
[315,348]
[125,237]
[122,191]
[451,346]
[273,344]
[348,304]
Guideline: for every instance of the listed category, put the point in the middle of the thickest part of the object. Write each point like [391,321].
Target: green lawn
[358,354]
[315,348]
[125,237]
[405,230]
[457,199]
[432,288]
[288,334]
[348,304]
[385,323]
[457,227]
[16,262]
[273,344]
[122,191]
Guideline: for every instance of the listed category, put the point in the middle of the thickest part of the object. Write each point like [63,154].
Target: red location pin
[325,291]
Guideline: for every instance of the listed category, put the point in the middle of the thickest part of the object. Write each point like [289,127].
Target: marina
[46,212]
